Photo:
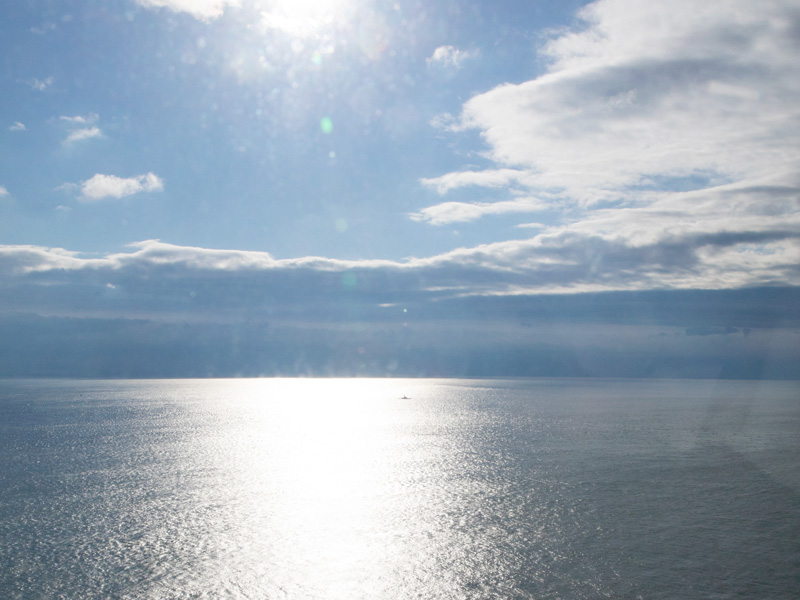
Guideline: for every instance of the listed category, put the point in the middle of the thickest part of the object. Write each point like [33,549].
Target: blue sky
[331,186]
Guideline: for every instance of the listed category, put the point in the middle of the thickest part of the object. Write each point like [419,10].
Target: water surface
[341,489]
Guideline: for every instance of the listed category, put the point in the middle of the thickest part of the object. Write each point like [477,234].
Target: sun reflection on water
[360,489]
[316,468]
[344,489]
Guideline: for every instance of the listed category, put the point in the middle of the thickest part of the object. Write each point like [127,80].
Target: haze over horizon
[332,187]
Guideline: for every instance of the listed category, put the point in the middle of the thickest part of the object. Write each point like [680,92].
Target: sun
[295,38]
[304,18]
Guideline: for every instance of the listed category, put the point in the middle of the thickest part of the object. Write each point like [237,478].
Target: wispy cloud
[460,212]
[450,56]
[81,128]
[40,85]
[531,226]
[80,120]
[17,126]
[201,9]
[83,134]
[103,187]
[43,28]
[3,191]
[494,178]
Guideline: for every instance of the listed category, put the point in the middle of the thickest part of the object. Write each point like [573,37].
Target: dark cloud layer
[728,334]
[170,311]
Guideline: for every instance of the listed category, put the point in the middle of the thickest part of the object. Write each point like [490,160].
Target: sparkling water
[396,489]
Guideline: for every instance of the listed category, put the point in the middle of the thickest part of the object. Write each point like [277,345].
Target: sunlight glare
[303,18]
[315,460]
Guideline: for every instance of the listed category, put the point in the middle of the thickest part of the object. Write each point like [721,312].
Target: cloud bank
[647,96]
[667,137]
[159,310]
[556,262]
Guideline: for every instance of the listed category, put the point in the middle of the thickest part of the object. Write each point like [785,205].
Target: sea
[389,489]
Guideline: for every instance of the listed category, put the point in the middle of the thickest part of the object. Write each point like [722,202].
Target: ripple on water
[328,489]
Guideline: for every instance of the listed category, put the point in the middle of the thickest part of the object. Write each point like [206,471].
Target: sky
[341,187]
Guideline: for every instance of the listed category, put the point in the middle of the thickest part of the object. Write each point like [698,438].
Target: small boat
[404,397]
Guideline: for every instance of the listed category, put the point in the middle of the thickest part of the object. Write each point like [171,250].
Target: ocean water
[342,489]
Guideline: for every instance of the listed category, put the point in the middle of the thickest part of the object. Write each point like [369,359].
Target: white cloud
[83,134]
[81,128]
[17,126]
[3,191]
[489,178]
[200,9]
[102,187]
[667,91]
[558,260]
[79,120]
[450,56]
[25,259]
[668,137]
[531,226]
[153,254]
[460,212]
